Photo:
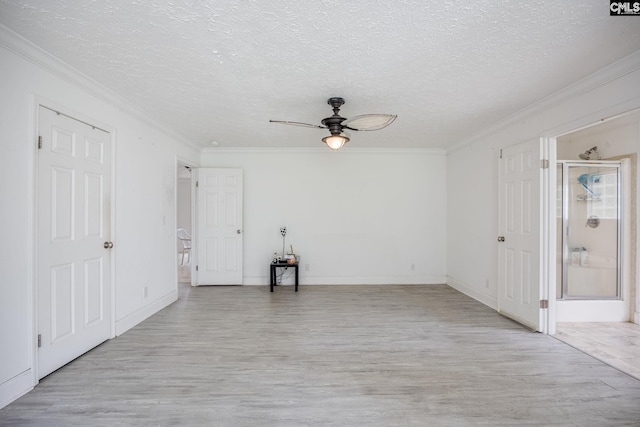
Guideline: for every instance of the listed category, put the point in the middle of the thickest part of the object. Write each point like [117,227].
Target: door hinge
[39,340]
[544,303]
[197,184]
[196,268]
[39,143]
[501,153]
[544,164]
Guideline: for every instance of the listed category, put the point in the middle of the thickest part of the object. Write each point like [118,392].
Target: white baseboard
[487,300]
[128,322]
[391,280]
[16,387]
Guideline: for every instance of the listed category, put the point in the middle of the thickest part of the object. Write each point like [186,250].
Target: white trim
[625,247]
[488,300]
[281,150]
[193,253]
[599,78]
[32,239]
[41,58]
[133,319]
[193,165]
[549,235]
[113,234]
[16,387]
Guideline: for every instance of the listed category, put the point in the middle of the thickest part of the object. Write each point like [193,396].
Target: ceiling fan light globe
[335,142]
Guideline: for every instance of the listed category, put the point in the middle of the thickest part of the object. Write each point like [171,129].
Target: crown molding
[321,150]
[616,70]
[43,59]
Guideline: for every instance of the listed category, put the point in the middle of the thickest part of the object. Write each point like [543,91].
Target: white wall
[472,201]
[145,164]
[472,168]
[354,216]
[183,214]
[184,204]
[613,138]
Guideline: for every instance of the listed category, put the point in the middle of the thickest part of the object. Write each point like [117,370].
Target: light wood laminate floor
[330,356]
[617,344]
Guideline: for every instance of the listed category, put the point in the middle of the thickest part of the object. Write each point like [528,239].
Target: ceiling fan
[337,124]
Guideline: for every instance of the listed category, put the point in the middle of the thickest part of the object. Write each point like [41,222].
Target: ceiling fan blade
[306,125]
[369,121]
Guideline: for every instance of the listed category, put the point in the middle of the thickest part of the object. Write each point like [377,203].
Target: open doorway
[603,193]
[597,299]
[184,228]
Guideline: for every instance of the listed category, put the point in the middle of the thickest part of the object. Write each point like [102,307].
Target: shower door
[591,230]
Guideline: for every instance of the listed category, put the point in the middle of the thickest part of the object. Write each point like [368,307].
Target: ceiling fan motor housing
[334,123]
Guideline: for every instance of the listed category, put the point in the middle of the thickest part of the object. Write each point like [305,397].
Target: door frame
[548,235]
[549,248]
[185,162]
[37,103]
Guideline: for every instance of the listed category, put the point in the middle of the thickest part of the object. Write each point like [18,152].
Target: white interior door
[73,273]
[519,241]
[218,234]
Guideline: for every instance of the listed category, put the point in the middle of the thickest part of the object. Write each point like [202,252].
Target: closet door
[519,239]
[219,230]
[73,243]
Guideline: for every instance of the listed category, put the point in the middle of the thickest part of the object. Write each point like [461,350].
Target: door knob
[238,231]
[108,245]
[500,238]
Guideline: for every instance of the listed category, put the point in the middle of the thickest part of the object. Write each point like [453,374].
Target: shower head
[590,154]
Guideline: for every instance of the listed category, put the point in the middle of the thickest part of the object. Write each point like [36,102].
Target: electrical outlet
[306,267]
[486,283]
[145,292]
[413,267]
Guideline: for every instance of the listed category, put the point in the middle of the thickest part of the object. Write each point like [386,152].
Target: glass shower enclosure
[589,230]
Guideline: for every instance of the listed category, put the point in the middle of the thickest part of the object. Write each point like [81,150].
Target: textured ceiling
[219,70]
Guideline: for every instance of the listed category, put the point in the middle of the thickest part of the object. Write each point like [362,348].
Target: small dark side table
[275,265]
